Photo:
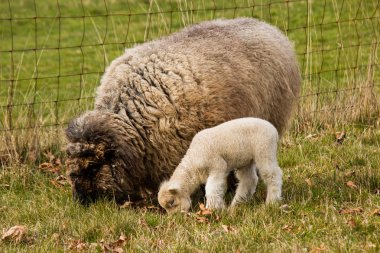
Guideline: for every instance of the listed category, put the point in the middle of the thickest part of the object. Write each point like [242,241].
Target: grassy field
[322,210]
[52,55]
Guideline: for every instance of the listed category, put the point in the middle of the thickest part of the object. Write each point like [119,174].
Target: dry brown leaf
[308,181]
[153,207]
[202,219]
[15,233]
[285,208]
[60,181]
[355,210]
[49,167]
[352,185]
[228,229]
[349,173]
[351,222]
[340,136]
[77,245]
[55,237]
[127,204]
[203,210]
[287,228]
[114,247]
[142,222]
[370,246]
[376,212]
[122,241]
[321,248]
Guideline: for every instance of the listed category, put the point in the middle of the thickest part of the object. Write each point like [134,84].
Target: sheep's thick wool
[155,97]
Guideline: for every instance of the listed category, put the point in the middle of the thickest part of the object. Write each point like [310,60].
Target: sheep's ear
[173,191]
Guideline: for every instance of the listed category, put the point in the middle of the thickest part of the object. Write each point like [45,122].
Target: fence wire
[53,53]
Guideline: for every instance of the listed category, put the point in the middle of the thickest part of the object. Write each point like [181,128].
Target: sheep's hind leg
[216,186]
[247,184]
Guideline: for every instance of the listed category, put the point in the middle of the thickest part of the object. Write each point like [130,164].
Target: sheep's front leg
[216,186]
[247,184]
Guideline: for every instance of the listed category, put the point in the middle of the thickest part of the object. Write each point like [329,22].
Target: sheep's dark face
[92,177]
[101,159]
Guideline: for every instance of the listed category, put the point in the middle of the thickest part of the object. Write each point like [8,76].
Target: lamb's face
[173,200]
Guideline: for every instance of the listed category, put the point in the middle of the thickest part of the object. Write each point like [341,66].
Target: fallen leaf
[340,136]
[127,204]
[285,208]
[351,184]
[349,173]
[77,245]
[311,136]
[351,222]
[228,229]
[55,237]
[114,247]
[15,233]
[142,222]
[308,181]
[203,210]
[370,245]
[49,167]
[153,207]
[321,248]
[355,210]
[376,212]
[122,241]
[202,219]
[287,228]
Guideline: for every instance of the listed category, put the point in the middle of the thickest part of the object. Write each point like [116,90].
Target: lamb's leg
[216,186]
[247,184]
[271,174]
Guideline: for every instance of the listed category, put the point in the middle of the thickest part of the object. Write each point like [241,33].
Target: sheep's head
[173,199]
[102,160]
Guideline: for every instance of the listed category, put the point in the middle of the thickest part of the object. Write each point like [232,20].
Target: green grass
[316,170]
[51,65]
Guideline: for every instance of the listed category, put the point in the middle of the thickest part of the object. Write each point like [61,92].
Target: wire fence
[53,53]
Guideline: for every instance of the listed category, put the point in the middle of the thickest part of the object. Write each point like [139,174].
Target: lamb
[156,96]
[246,145]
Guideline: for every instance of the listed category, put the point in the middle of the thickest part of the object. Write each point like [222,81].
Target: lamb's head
[103,158]
[173,198]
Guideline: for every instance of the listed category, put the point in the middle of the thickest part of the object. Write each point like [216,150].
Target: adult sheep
[153,99]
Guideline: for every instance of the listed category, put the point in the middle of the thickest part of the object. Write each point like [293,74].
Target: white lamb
[244,145]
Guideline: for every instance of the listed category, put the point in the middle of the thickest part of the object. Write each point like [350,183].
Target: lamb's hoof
[216,205]
[273,201]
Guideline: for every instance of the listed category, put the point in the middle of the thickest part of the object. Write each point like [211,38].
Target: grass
[51,65]
[316,172]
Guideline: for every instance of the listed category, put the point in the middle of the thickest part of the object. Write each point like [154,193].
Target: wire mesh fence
[53,53]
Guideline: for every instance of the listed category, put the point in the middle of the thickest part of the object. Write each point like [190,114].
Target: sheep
[246,145]
[154,98]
